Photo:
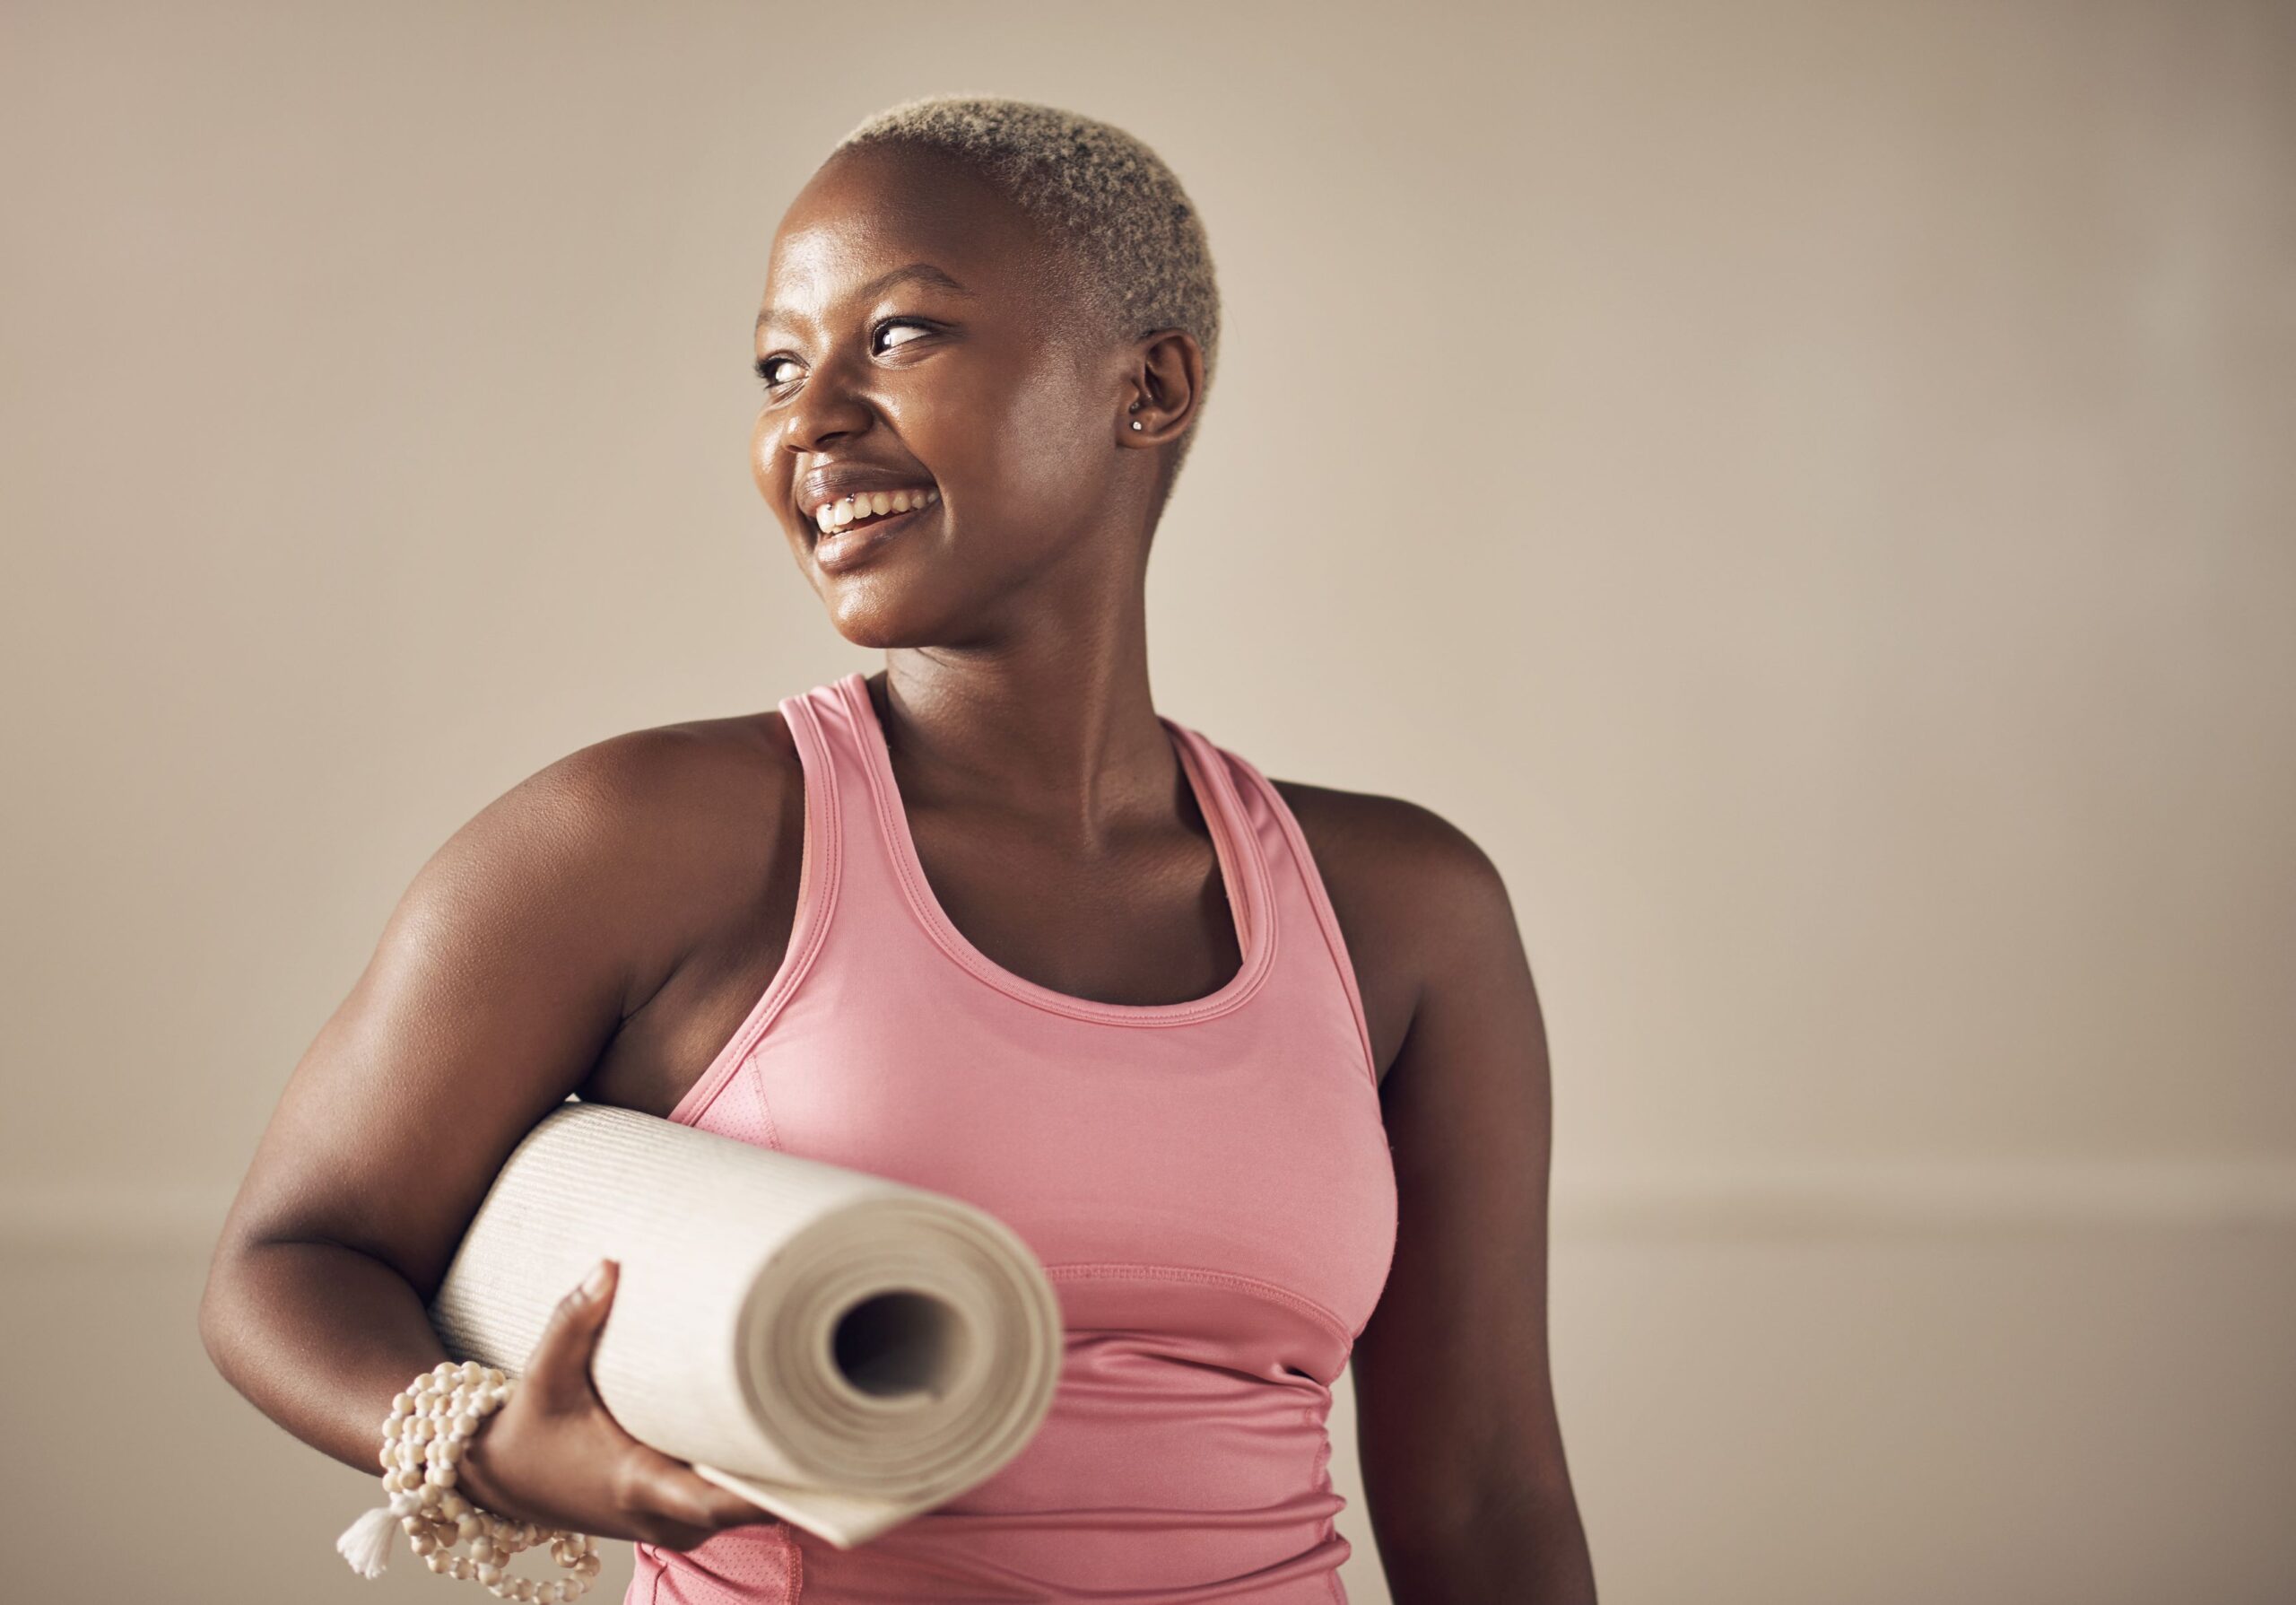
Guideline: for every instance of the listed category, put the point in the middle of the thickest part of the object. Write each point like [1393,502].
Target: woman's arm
[508,965]
[1463,1465]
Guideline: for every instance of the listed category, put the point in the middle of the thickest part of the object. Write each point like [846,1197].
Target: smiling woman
[1256,1068]
[1024,265]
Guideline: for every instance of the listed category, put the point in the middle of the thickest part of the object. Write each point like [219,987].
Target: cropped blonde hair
[1133,245]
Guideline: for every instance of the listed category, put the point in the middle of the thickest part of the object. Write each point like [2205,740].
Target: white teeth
[833,516]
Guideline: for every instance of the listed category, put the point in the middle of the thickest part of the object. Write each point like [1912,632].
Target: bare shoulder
[1406,884]
[687,820]
[1381,823]
[620,859]
[693,760]
[1395,858]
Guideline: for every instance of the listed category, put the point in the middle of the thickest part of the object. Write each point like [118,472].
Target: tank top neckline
[1244,877]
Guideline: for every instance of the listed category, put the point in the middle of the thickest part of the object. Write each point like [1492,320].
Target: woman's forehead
[798,296]
[868,215]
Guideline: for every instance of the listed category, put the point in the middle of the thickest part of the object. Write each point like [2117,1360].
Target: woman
[1256,1070]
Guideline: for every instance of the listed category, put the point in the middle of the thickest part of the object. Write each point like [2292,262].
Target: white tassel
[366,1543]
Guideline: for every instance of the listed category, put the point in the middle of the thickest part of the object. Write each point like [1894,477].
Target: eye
[766,366]
[902,323]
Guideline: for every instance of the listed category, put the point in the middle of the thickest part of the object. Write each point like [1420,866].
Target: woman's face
[965,377]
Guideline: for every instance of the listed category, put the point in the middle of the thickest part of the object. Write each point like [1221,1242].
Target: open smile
[861,540]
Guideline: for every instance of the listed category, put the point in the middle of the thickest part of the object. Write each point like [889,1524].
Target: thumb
[561,1357]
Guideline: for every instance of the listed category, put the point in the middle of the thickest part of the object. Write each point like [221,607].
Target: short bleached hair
[1130,239]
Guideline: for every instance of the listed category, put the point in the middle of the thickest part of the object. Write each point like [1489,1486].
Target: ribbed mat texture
[844,1350]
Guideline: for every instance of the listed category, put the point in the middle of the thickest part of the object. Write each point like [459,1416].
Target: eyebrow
[922,272]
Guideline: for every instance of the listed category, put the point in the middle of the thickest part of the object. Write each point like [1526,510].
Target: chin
[880,617]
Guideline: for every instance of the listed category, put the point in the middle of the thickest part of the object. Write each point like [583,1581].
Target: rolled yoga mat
[843,1350]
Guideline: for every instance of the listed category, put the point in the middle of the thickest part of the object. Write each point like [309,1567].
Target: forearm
[1530,1549]
[319,1337]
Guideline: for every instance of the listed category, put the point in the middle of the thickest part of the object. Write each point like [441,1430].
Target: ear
[1161,392]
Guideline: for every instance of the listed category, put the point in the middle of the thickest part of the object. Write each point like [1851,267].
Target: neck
[1068,736]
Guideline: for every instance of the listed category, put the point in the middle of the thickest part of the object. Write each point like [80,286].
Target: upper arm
[1454,1400]
[503,971]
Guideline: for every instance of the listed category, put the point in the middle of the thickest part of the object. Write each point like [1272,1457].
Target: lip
[847,549]
[832,481]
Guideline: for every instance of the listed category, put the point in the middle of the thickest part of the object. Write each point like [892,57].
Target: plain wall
[1808,488]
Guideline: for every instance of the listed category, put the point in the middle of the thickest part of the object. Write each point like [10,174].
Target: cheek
[1034,449]
[765,469]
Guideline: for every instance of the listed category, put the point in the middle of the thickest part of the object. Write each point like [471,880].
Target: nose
[829,406]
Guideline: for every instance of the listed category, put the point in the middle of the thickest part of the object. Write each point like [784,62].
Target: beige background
[1808,488]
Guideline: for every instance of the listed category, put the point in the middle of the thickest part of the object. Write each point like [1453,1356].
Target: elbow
[213,1324]
[223,1298]
[218,1315]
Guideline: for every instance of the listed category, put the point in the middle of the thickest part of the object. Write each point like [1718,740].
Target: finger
[672,1488]
[729,1509]
[725,1507]
[561,1355]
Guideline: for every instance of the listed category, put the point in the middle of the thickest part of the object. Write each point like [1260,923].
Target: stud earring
[1136,424]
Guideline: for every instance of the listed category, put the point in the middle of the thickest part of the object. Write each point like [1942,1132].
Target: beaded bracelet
[424,1437]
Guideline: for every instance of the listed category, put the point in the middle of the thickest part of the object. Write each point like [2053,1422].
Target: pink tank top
[1207,1183]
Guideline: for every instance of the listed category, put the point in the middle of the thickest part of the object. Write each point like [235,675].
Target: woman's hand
[555,1456]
